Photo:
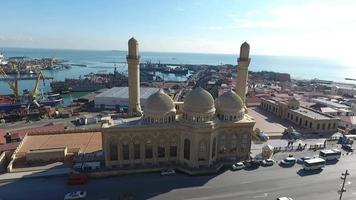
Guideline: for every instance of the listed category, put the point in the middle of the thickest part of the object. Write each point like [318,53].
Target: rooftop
[42,129]
[348,119]
[86,142]
[330,103]
[123,92]
[312,113]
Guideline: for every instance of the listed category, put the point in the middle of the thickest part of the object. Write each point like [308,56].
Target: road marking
[216,196]
[193,188]
[261,196]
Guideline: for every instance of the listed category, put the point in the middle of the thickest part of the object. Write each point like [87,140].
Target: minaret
[133,60]
[242,71]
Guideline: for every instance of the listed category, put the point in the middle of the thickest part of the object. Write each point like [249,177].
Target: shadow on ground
[303,172]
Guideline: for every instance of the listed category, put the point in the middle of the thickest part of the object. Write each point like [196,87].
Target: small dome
[229,102]
[159,104]
[199,101]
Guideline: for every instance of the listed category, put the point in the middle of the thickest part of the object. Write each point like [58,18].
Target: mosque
[200,133]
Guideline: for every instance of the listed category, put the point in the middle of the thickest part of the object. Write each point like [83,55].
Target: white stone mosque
[206,135]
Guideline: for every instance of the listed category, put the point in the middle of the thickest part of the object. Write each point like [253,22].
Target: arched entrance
[187,149]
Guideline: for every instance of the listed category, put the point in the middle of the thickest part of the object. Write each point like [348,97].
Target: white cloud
[310,29]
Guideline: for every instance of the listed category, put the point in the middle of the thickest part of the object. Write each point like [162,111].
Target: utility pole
[343,177]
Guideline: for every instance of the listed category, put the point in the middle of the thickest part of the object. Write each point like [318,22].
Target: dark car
[348,147]
[252,164]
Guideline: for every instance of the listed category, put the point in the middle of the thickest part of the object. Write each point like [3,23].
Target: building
[308,119]
[40,151]
[207,134]
[348,122]
[118,97]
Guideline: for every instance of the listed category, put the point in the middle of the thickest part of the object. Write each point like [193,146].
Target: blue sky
[278,27]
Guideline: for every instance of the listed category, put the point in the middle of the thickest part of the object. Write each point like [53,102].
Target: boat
[350,79]
[2,59]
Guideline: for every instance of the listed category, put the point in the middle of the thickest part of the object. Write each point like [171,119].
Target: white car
[267,162]
[284,198]
[167,172]
[288,161]
[75,195]
[238,166]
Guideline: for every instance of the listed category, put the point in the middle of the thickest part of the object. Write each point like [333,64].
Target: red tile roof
[2,134]
[9,146]
[49,128]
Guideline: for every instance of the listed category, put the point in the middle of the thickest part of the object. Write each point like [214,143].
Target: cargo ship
[92,82]
[75,85]
[9,102]
[164,68]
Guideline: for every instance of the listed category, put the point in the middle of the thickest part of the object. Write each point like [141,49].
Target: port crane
[12,82]
[40,76]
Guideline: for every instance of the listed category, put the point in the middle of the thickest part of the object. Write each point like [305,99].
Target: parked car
[77,179]
[165,172]
[302,159]
[238,166]
[75,195]
[267,162]
[251,164]
[348,147]
[289,161]
[284,198]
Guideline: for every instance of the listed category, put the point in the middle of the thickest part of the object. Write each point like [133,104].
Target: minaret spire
[133,60]
[242,71]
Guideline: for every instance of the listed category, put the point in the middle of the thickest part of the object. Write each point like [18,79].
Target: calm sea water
[105,61]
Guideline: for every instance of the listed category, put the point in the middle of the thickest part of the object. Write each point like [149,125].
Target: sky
[317,28]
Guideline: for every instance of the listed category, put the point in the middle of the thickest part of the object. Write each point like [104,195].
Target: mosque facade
[206,133]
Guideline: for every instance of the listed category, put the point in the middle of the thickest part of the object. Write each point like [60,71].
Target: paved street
[263,183]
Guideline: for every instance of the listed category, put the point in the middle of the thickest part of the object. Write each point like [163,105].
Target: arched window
[113,151]
[213,152]
[202,146]
[187,149]
[137,150]
[173,148]
[148,149]
[161,149]
[222,144]
[233,143]
[125,150]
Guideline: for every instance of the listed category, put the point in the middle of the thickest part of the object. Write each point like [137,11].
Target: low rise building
[303,117]
[348,122]
[118,97]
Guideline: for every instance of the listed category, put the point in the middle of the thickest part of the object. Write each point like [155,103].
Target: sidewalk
[33,174]
[256,148]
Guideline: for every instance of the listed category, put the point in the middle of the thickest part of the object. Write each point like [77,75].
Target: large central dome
[199,101]
[159,104]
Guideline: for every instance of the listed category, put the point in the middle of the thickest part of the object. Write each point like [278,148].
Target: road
[263,183]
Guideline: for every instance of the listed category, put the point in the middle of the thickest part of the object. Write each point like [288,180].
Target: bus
[329,154]
[314,164]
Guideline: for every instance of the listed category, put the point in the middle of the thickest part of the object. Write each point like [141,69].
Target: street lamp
[343,177]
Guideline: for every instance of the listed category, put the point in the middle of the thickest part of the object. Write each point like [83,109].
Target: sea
[100,61]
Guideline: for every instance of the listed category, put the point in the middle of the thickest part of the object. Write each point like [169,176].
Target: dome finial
[133,48]
[244,51]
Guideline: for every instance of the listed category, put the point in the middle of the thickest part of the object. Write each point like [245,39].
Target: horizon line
[181,52]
